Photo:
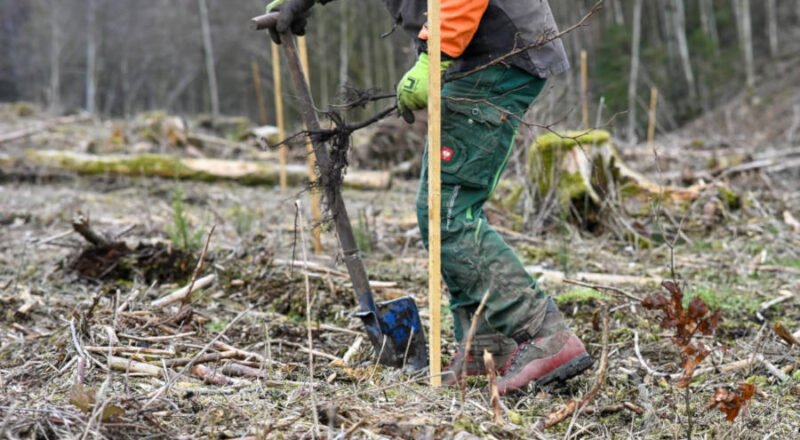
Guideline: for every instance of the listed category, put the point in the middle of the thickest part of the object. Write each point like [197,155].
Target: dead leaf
[81,397]
[785,333]
[112,412]
[732,402]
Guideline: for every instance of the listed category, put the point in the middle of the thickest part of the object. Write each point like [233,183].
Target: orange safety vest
[475,32]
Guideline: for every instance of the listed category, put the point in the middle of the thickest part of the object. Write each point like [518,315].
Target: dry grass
[39,355]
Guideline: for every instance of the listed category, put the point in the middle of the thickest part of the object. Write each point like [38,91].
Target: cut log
[209,170]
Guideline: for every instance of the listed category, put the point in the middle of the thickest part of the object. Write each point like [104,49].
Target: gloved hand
[412,90]
[293,16]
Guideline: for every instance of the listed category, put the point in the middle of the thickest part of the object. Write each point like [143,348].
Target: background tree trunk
[772,27]
[344,46]
[619,15]
[679,22]
[744,26]
[634,79]
[709,22]
[91,56]
[209,52]
[54,92]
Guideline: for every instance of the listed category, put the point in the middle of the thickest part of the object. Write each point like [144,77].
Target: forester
[481,113]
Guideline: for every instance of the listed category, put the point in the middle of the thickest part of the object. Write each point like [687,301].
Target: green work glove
[412,91]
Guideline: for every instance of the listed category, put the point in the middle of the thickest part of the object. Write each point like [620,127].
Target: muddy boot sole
[567,371]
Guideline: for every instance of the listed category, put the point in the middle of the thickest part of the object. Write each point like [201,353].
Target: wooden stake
[316,214]
[585,89]
[284,149]
[262,108]
[434,190]
[651,128]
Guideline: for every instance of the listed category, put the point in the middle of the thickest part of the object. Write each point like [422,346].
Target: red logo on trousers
[447,154]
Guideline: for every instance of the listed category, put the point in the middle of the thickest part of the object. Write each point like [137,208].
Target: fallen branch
[131,366]
[785,296]
[27,132]
[600,289]
[156,338]
[352,350]
[204,359]
[605,410]
[773,268]
[234,369]
[80,223]
[244,355]
[212,377]
[735,366]
[173,167]
[305,349]
[554,276]
[129,350]
[642,362]
[183,292]
[578,405]
[165,388]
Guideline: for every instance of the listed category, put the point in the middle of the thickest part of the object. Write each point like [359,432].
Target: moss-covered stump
[590,167]
[583,170]
[209,170]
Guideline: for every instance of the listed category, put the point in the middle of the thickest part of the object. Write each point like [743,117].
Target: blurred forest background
[117,58]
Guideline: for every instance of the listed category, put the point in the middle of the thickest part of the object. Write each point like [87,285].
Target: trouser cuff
[527,331]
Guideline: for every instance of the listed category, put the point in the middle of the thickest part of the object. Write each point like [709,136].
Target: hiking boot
[553,353]
[500,346]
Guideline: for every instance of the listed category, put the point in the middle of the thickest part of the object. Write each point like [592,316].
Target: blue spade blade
[396,332]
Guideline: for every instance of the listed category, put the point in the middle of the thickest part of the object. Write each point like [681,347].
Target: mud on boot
[554,353]
[500,346]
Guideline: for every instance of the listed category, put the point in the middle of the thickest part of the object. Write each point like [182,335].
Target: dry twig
[577,405]
[494,393]
[188,297]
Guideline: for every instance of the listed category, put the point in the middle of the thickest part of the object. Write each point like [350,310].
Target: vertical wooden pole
[316,213]
[651,128]
[585,89]
[284,151]
[435,190]
[262,107]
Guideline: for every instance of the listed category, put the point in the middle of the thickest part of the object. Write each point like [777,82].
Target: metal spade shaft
[352,258]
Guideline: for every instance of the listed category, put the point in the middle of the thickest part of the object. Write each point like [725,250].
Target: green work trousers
[480,117]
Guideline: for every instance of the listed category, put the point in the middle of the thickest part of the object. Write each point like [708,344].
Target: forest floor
[91,355]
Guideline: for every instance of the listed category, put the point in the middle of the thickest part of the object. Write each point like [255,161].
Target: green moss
[580,295]
[725,299]
[729,197]
[546,152]
[22,109]
[788,262]
[467,424]
[566,140]
[151,165]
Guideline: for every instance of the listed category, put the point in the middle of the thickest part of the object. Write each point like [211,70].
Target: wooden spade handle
[264,21]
